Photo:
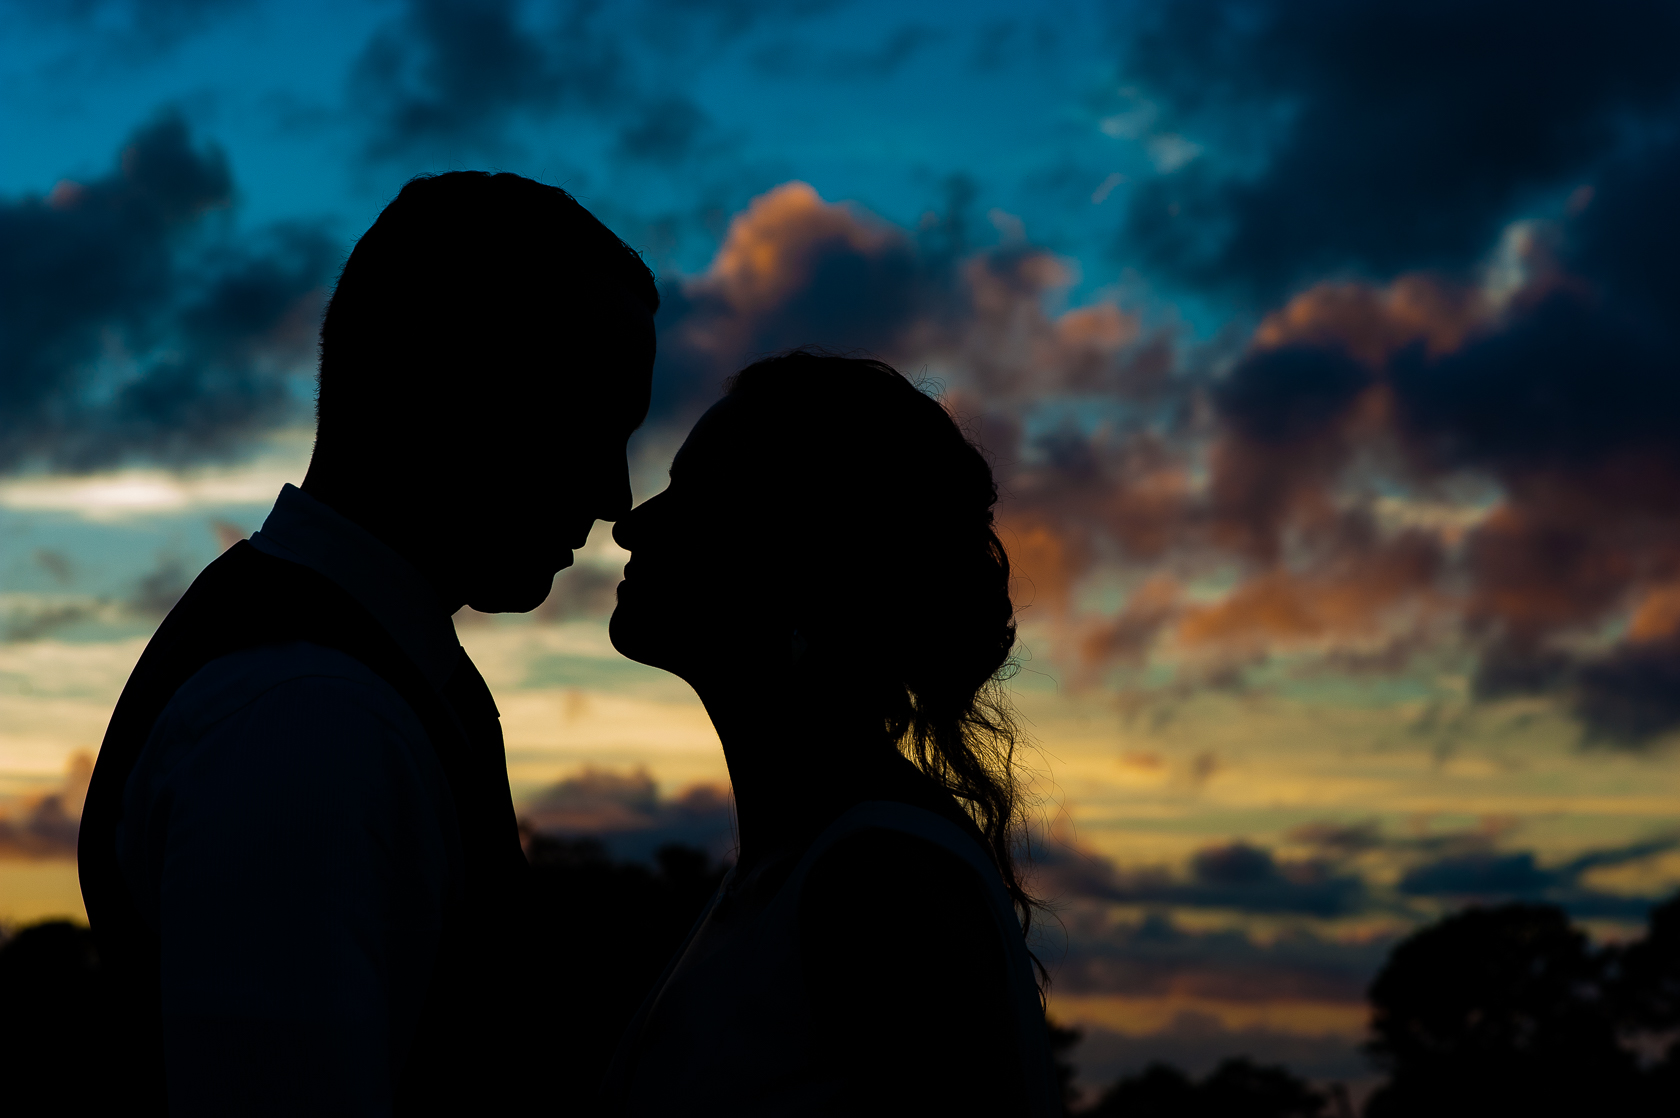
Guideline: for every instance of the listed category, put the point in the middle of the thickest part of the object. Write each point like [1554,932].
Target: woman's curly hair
[904,576]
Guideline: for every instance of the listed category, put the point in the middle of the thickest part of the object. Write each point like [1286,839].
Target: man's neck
[385,518]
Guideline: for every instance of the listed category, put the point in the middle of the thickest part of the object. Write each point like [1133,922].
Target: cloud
[447,80]
[1482,876]
[1631,695]
[133,29]
[1377,137]
[453,75]
[897,48]
[796,270]
[1482,464]
[1156,957]
[1236,875]
[666,130]
[1546,381]
[627,814]
[157,591]
[29,617]
[46,827]
[1340,869]
[586,590]
[792,270]
[134,325]
[141,491]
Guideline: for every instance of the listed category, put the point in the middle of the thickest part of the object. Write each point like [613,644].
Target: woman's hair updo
[894,568]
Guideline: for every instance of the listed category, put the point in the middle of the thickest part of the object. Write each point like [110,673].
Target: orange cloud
[1373,323]
[1047,562]
[770,245]
[1657,616]
[1128,638]
[1350,599]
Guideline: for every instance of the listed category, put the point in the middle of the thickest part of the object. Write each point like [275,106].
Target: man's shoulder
[233,683]
[269,713]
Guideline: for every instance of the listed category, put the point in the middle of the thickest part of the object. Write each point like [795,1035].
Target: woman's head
[828,526]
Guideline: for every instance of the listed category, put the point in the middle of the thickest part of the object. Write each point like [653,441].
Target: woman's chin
[634,638]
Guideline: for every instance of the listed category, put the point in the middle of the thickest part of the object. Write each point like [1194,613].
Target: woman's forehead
[715,440]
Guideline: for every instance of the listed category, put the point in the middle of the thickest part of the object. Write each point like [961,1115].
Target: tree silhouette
[1237,1088]
[1062,1043]
[1158,1091]
[1645,995]
[1498,1011]
[1241,1089]
[54,1024]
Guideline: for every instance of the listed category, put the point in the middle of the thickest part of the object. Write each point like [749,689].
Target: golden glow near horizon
[1140,791]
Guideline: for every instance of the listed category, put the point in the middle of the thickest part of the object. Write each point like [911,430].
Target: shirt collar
[303,530]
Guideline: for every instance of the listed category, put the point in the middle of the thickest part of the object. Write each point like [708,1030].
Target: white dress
[727,1028]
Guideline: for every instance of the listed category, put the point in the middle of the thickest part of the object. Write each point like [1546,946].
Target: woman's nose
[627,531]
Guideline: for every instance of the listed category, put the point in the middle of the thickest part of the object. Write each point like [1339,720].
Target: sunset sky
[1328,355]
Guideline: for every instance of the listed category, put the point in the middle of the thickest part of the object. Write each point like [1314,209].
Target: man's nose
[614,499]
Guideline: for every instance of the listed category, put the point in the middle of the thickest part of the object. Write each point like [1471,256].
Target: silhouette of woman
[823,571]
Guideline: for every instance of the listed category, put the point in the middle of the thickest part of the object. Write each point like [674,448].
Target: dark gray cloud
[157,591]
[44,830]
[133,28]
[55,563]
[994,45]
[1565,394]
[626,813]
[796,59]
[666,130]
[1237,876]
[1157,957]
[1391,134]
[1630,696]
[458,79]
[452,75]
[33,619]
[46,826]
[897,48]
[675,25]
[1452,868]
[132,324]
[1484,876]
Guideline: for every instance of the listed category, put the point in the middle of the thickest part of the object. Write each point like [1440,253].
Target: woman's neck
[796,761]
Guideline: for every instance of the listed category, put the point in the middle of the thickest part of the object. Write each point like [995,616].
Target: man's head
[485,356]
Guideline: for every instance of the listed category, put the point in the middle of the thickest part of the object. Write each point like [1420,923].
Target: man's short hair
[462,296]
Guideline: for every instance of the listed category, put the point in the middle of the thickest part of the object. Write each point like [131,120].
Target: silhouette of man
[299,853]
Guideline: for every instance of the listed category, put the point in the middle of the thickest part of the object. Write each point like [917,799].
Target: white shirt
[290,834]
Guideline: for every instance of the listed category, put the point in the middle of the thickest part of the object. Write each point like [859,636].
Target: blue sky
[874,103]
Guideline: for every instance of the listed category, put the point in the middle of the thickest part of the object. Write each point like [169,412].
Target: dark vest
[471,1044]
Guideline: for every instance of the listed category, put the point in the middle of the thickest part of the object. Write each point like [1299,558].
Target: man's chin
[522,597]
